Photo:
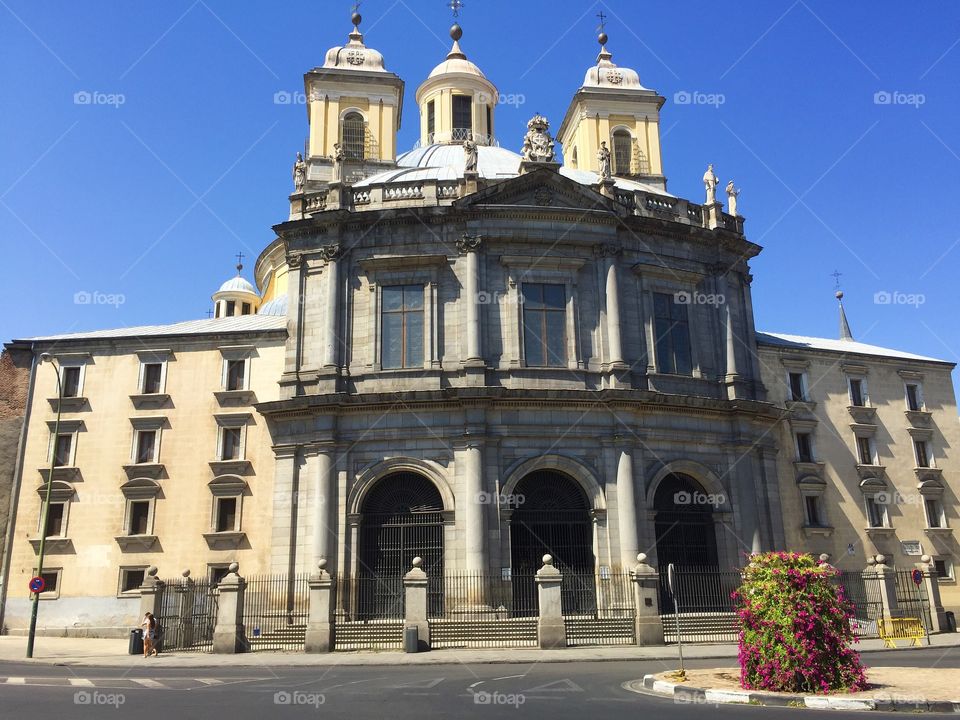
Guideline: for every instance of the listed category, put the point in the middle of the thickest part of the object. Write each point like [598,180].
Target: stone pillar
[614,343]
[229,634]
[331,342]
[319,636]
[938,616]
[151,593]
[732,376]
[887,582]
[646,593]
[186,594]
[323,536]
[471,455]
[415,615]
[626,507]
[551,630]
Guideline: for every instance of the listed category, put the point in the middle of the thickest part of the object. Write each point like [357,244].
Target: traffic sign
[37,584]
[917,577]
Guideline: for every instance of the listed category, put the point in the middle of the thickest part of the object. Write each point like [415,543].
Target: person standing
[149,626]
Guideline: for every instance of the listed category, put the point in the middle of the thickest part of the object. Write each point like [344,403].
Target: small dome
[355,55]
[607,75]
[456,62]
[238,284]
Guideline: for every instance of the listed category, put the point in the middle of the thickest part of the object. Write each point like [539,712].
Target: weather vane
[456,6]
[603,21]
[356,6]
[836,277]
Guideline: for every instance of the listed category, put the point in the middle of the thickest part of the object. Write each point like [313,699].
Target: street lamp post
[45,357]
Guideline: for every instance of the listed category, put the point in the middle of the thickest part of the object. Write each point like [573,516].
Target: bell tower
[354,109]
[612,107]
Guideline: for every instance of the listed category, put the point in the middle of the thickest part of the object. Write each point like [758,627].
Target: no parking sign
[37,584]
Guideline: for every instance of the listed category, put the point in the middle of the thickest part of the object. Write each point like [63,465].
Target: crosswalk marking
[16,681]
[209,681]
[148,683]
[80,682]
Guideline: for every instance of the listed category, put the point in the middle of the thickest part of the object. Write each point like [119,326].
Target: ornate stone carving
[470,156]
[299,173]
[710,182]
[294,261]
[355,57]
[614,77]
[605,250]
[543,197]
[603,156]
[330,252]
[469,243]
[732,194]
[538,145]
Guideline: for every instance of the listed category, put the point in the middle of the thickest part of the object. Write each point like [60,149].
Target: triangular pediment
[543,189]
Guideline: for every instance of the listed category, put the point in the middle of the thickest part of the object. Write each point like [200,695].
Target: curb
[687,695]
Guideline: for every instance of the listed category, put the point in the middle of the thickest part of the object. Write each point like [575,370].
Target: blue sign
[37,584]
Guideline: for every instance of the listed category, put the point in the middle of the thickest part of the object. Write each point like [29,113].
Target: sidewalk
[87,652]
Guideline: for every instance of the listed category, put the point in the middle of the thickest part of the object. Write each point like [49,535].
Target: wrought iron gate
[188,615]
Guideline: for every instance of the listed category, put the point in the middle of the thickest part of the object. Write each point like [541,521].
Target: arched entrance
[401,518]
[553,518]
[684,524]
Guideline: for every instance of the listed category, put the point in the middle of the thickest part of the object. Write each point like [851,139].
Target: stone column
[626,507]
[613,309]
[469,245]
[471,455]
[331,341]
[887,582]
[229,634]
[646,593]
[415,613]
[323,536]
[551,630]
[319,637]
[186,594]
[938,617]
[151,593]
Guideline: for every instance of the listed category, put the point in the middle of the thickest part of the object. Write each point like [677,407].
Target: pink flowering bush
[796,632]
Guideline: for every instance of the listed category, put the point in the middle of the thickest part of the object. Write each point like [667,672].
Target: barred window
[622,152]
[354,131]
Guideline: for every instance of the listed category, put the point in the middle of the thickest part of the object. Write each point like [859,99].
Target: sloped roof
[800,342]
[209,326]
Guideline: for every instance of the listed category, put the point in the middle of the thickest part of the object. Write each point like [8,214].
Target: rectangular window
[876,513]
[923,454]
[62,450]
[913,398]
[218,573]
[231,308]
[236,374]
[152,378]
[245,308]
[797,393]
[71,381]
[864,450]
[431,120]
[230,438]
[812,503]
[857,396]
[805,447]
[544,325]
[462,116]
[55,518]
[139,523]
[490,120]
[131,579]
[935,517]
[944,569]
[226,514]
[146,446]
[401,320]
[51,580]
[672,335]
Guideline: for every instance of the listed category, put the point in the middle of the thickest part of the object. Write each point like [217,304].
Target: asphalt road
[548,690]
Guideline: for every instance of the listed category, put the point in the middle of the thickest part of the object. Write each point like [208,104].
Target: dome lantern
[237,296]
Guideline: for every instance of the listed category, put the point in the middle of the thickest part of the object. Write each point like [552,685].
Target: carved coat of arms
[538,145]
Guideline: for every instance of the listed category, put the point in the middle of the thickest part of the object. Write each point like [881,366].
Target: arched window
[622,152]
[352,136]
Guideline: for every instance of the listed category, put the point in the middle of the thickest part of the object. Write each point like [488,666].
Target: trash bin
[411,639]
[951,622]
[136,642]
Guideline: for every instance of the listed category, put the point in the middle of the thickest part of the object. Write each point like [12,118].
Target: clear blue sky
[150,199]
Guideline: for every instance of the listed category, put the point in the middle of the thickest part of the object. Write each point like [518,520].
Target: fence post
[938,617]
[151,594]
[186,592]
[887,580]
[646,594]
[415,604]
[319,637]
[551,630]
[229,635]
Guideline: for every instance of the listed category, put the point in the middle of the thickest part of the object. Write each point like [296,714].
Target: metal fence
[475,610]
[275,610]
[707,612]
[368,613]
[188,615]
[601,610]
[912,599]
[864,592]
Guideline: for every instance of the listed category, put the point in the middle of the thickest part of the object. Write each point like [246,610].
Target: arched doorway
[552,518]
[401,518]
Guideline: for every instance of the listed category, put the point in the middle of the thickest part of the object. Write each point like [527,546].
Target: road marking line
[148,683]
[80,682]
[209,681]
[16,681]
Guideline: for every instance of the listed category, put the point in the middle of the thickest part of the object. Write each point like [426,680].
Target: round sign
[917,577]
[37,584]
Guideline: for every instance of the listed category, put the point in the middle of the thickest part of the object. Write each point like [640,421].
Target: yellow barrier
[902,628]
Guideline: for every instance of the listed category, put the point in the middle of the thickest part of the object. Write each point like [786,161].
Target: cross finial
[836,274]
[456,6]
[209,314]
[240,257]
[603,21]
[356,6]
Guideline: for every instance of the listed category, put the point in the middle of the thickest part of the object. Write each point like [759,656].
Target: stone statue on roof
[537,144]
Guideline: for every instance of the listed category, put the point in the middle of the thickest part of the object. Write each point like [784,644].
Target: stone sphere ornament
[417,562]
[233,567]
[548,559]
[152,571]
